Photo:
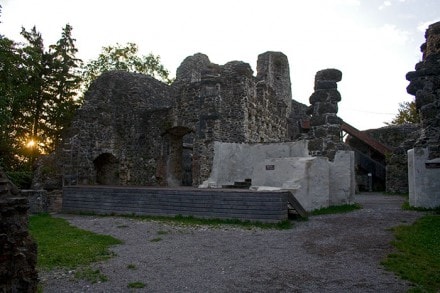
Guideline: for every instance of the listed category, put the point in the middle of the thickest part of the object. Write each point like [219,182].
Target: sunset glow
[31,144]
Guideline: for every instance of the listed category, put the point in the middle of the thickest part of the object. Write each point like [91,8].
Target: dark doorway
[107,169]
[178,154]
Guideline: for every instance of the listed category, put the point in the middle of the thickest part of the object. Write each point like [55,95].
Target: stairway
[240,184]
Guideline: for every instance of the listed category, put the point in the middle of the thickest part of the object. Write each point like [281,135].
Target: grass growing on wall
[61,245]
[418,256]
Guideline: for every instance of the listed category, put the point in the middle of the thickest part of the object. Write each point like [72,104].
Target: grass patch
[192,221]
[161,232]
[137,285]
[91,275]
[418,257]
[339,209]
[131,267]
[61,245]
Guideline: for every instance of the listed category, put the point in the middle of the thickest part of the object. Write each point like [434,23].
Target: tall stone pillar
[325,134]
[424,159]
[273,67]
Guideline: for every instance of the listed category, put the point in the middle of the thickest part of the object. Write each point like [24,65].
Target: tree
[12,80]
[38,90]
[63,85]
[125,58]
[407,114]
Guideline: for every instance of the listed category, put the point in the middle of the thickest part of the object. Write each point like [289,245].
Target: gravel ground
[329,253]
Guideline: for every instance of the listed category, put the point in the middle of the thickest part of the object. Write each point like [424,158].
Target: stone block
[327,107]
[342,178]
[325,85]
[307,177]
[423,179]
[329,74]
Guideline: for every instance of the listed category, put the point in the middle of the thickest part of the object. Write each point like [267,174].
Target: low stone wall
[42,201]
[204,203]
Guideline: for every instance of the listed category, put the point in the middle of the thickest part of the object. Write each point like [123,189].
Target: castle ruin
[135,130]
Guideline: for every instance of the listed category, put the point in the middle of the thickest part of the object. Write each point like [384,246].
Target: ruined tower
[425,86]
[424,159]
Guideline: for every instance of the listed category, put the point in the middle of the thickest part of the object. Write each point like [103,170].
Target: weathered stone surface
[424,84]
[325,134]
[325,85]
[330,74]
[273,68]
[135,130]
[424,187]
[296,119]
[190,69]
[18,252]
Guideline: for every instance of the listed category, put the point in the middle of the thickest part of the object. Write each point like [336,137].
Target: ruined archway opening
[107,169]
[178,156]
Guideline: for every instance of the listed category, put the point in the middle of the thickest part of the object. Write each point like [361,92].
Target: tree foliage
[407,114]
[124,58]
[37,95]
[40,89]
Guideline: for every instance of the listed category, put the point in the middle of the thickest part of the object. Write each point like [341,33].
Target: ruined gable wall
[111,121]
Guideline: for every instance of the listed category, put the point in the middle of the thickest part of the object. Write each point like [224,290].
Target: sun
[31,144]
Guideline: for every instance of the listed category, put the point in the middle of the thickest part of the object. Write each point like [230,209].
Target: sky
[373,42]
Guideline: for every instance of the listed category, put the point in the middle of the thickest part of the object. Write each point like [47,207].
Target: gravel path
[330,253]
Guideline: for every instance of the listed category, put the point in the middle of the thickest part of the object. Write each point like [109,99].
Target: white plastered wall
[315,181]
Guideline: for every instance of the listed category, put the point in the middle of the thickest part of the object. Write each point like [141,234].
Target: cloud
[385,4]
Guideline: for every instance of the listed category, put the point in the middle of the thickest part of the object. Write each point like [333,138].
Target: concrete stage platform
[262,206]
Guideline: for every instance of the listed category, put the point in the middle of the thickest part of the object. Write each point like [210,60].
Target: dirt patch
[329,253]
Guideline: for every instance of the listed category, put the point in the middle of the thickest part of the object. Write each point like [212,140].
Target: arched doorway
[178,152]
[107,169]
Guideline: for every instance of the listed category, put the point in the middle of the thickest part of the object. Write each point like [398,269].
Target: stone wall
[135,130]
[424,159]
[399,138]
[296,121]
[109,140]
[18,252]
[425,85]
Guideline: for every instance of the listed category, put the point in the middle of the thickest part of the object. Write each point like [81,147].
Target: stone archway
[178,156]
[107,169]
